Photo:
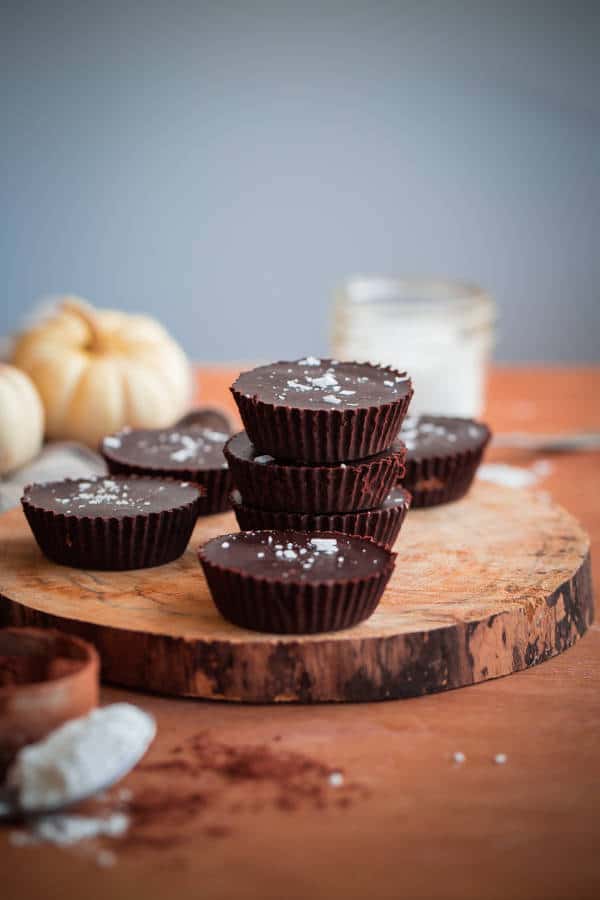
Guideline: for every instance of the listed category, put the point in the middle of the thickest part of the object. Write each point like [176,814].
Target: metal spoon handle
[550,443]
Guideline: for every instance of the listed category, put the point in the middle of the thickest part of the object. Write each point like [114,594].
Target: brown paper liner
[436,480]
[127,542]
[321,435]
[348,487]
[382,525]
[215,484]
[294,607]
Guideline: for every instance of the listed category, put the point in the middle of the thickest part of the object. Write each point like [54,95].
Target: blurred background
[224,166]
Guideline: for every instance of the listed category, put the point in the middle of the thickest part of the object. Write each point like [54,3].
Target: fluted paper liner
[111,543]
[322,435]
[382,525]
[441,479]
[348,487]
[294,607]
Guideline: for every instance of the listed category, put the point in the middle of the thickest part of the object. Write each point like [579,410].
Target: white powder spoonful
[76,761]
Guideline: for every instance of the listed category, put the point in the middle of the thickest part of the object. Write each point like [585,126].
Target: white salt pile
[65,830]
[81,757]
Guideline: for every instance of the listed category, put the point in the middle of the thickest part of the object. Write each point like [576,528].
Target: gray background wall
[224,165]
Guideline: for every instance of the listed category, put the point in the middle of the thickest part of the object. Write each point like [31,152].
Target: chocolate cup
[381,525]
[109,543]
[286,487]
[206,417]
[322,435]
[293,607]
[214,484]
[442,479]
[46,678]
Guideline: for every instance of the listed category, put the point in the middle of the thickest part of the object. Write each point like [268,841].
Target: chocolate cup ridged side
[442,479]
[321,435]
[317,489]
[215,484]
[111,543]
[382,525]
[278,607]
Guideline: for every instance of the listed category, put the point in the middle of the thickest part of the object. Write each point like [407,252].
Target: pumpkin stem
[86,312]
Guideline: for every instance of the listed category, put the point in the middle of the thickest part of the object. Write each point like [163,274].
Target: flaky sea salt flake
[324,381]
[324,545]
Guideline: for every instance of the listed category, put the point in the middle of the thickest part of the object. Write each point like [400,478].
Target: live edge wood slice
[490,585]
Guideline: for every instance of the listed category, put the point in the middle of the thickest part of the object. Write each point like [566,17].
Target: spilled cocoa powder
[243,763]
[171,810]
[254,763]
[227,780]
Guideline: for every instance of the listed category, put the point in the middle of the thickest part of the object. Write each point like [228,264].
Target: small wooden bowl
[46,678]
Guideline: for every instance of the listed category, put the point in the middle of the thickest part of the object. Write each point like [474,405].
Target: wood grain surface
[408,822]
[484,587]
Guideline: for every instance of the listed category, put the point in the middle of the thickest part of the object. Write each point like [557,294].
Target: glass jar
[440,332]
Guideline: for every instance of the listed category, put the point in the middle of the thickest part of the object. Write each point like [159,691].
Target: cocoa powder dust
[212,786]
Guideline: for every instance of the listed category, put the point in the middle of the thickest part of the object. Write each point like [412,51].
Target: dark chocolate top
[114,496]
[296,555]
[180,448]
[426,436]
[323,384]
[240,447]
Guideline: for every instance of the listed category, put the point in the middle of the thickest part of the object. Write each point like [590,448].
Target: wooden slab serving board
[484,587]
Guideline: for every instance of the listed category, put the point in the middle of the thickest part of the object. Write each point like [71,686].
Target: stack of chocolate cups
[320,451]
[313,470]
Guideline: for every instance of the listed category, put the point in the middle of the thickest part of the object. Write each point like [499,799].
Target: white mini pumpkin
[99,370]
[21,419]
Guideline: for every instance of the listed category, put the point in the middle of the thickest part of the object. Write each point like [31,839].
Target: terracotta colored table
[407,822]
